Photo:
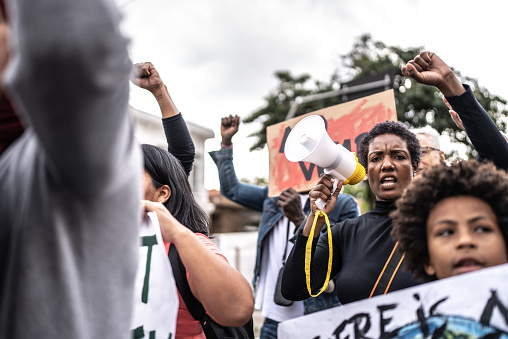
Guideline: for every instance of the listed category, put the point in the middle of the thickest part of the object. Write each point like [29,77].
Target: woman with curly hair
[453,220]
[361,247]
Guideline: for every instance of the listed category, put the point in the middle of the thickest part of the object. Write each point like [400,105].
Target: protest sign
[155,294]
[471,305]
[346,124]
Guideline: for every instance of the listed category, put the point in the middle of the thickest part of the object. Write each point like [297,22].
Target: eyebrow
[448,221]
[392,151]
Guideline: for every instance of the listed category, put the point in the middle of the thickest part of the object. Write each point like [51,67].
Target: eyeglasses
[427,149]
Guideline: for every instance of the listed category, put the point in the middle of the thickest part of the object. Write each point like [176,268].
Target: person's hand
[428,69]
[228,128]
[324,190]
[291,204]
[145,75]
[455,116]
[170,227]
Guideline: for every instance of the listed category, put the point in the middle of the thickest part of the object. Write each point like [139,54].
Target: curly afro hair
[466,178]
[390,127]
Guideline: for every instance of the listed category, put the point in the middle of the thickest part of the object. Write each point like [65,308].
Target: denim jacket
[256,198]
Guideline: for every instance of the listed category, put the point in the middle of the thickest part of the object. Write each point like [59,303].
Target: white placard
[155,296]
[471,305]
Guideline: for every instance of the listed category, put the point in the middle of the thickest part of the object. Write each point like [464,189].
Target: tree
[279,101]
[417,105]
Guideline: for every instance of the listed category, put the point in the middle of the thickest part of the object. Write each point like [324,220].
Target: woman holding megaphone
[360,252]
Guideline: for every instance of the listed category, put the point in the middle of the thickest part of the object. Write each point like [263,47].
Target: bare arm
[224,292]
[180,144]
[146,76]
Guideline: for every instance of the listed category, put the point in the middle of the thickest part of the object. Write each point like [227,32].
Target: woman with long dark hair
[224,292]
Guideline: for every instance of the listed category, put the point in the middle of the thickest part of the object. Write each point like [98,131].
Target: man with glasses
[431,150]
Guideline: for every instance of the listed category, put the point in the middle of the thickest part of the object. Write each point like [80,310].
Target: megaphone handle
[319,202]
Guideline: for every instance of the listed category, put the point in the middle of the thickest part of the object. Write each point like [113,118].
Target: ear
[164,192]
[442,156]
[429,268]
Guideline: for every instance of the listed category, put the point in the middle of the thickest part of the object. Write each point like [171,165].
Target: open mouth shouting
[388,182]
[465,265]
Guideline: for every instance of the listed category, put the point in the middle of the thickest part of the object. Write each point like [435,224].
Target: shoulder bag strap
[193,305]
[388,273]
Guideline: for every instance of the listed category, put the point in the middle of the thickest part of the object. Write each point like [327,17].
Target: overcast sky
[218,57]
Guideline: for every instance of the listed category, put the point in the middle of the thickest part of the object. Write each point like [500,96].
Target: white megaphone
[308,141]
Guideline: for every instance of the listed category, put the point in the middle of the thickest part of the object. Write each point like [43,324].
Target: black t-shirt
[361,247]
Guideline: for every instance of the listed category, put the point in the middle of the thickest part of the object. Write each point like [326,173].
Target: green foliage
[279,101]
[417,105]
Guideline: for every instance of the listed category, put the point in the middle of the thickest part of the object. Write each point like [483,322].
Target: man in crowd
[281,217]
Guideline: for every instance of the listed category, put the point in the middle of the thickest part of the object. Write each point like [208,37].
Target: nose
[387,164]
[465,240]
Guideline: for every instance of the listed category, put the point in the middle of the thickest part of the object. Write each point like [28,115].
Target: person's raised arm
[427,68]
[180,144]
[247,195]
[69,76]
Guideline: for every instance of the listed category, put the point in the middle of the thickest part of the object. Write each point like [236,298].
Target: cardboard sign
[471,305]
[155,294]
[346,125]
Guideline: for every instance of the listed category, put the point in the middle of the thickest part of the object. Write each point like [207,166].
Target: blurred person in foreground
[71,183]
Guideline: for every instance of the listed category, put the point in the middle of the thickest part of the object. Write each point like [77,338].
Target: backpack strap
[193,305]
[388,273]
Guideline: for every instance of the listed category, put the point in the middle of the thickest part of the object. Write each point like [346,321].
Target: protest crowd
[79,194]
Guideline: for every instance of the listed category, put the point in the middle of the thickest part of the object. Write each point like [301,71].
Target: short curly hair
[390,127]
[465,178]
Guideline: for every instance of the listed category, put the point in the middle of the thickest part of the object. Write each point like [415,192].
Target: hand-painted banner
[155,294]
[346,125]
[471,305]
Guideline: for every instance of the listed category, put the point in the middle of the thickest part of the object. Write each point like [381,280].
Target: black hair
[466,178]
[390,127]
[165,169]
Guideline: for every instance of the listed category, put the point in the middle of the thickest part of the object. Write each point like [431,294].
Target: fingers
[288,196]
[323,189]
[420,63]
[230,121]
[150,206]
[456,119]
[339,187]
[236,120]
[447,103]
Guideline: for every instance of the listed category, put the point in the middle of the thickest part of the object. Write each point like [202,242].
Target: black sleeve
[294,285]
[481,130]
[180,143]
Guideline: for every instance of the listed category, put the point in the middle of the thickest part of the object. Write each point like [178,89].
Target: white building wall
[148,130]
